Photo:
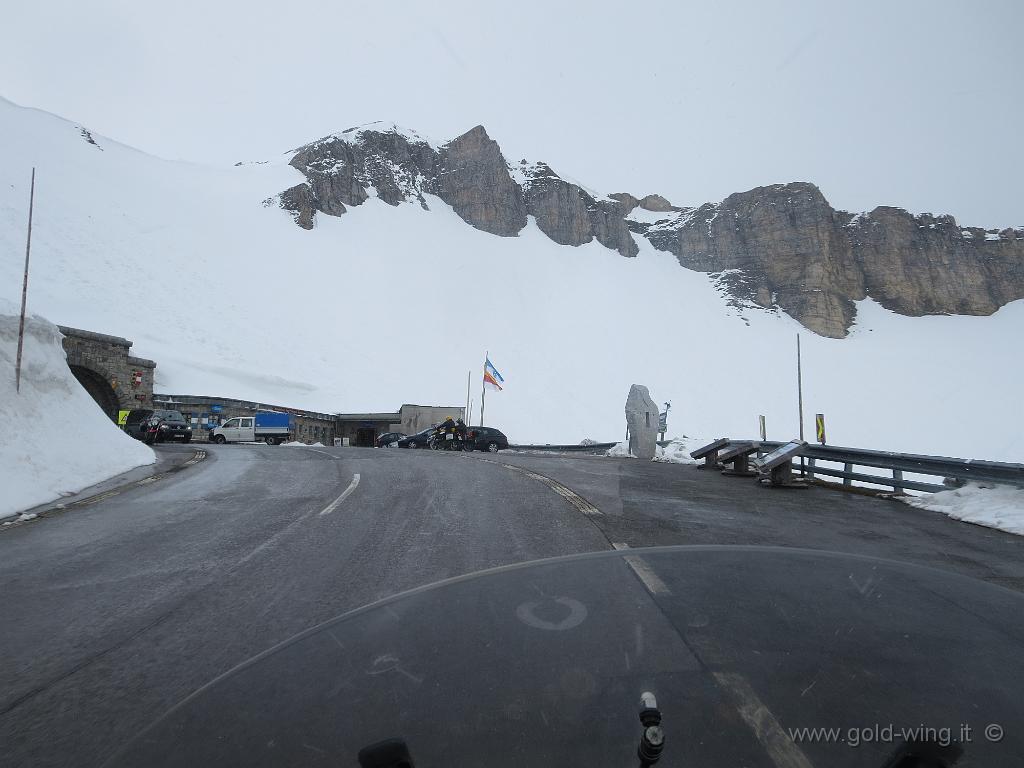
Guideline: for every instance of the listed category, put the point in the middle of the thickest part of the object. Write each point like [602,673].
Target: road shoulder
[170,459]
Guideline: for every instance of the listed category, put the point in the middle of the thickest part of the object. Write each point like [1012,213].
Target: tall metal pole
[24,286]
[483,388]
[800,386]
[466,415]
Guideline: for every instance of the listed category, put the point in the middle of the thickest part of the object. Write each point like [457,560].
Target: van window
[246,423]
[231,423]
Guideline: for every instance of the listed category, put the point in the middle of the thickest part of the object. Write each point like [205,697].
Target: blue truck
[270,427]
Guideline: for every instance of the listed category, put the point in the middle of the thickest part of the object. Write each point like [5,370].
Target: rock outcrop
[781,247]
[569,215]
[473,178]
[784,246]
[778,247]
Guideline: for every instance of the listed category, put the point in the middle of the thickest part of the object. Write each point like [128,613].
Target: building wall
[415,418]
[348,427]
[106,357]
[204,413]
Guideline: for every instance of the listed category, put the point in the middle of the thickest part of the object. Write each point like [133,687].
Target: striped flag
[492,378]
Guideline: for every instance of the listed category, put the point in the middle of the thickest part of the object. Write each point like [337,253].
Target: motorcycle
[448,437]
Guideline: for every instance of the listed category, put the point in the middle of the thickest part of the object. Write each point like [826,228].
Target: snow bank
[620,451]
[56,440]
[678,451]
[995,506]
[298,444]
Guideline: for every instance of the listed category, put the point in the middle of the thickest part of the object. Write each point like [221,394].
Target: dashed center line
[644,572]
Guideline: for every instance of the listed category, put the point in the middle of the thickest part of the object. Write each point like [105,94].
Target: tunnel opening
[99,389]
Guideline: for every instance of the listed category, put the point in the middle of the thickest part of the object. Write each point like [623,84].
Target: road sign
[764,433]
[122,418]
[819,423]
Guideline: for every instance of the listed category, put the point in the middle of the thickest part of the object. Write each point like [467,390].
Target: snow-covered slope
[232,299]
[55,440]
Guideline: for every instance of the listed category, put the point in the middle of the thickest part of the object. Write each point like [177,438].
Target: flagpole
[483,388]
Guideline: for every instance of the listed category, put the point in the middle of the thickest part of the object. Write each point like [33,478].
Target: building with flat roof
[363,428]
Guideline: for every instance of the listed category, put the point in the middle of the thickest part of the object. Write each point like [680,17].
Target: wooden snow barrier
[776,468]
[709,453]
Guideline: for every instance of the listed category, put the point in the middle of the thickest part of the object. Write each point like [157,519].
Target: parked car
[157,426]
[419,440]
[388,439]
[485,439]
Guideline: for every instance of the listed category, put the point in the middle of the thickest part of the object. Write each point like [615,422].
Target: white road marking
[95,499]
[643,571]
[325,453]
[780,748]
[334,504]
[568,494]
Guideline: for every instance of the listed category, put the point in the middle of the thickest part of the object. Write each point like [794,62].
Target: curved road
[116,610]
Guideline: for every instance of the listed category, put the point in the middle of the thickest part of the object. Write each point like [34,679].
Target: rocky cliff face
[777,247]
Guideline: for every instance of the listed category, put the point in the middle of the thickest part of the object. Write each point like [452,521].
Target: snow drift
[56,440]
[994,506]
[245,304]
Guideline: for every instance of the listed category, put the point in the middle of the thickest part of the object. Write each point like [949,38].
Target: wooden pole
[24,286]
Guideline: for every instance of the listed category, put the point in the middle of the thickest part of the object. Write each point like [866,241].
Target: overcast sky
[916,104]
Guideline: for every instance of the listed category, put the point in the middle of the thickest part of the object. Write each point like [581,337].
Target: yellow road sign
[122,418]
[819,422]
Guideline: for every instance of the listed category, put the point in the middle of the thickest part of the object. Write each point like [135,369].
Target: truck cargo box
[268,419]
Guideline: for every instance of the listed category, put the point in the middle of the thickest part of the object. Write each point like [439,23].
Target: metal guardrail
[593,448]
[963,470]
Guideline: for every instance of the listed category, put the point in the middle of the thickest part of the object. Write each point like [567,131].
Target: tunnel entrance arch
[99,388]
[115,379]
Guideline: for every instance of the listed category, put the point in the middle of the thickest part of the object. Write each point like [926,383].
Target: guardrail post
[847,468]
[897,475]
[810,469]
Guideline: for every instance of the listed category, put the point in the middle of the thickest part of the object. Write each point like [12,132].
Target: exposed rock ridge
[777,247]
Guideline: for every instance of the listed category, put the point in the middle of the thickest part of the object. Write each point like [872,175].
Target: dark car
[157,426]
[485,439]
[419,440]
[385,440]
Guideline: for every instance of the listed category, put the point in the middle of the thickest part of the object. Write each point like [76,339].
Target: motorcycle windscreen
[746,649]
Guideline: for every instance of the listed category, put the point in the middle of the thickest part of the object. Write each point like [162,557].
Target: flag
[492,378]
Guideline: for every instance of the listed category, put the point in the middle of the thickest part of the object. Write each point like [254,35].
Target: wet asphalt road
[115,611]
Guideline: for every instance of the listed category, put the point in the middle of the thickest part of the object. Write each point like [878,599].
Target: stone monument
[642,421]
